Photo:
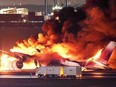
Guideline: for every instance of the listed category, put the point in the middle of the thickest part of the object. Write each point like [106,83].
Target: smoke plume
[76,32]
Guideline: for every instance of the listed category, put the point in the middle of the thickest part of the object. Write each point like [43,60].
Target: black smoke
[83,31]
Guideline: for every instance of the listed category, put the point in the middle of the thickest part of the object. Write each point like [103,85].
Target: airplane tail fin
[106,52]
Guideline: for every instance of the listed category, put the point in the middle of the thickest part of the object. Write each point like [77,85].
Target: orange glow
[96,56]
[61,50]
[94,61]
[61,71]
[5,61]
[26,50]
[67,39]
[9,63]
[29,65]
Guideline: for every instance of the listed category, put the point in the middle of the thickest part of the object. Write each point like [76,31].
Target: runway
[34,82]
[27,78]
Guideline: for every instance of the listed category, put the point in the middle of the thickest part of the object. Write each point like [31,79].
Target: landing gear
[19,64]
[15,65]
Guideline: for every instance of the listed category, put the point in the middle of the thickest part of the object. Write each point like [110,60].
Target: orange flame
[9,63]
[92,62]
[96,56]
[5,61]
[61,50]
[29,65]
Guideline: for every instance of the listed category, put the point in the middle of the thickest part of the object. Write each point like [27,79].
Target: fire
[29,65]
[61,71]
[9,63]
[93,61]
[96,56]
[75,36]
[61,50]
[5,62]
[27,50]
[56,52]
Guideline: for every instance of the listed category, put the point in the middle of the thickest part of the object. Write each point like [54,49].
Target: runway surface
[34,82]
[28,79]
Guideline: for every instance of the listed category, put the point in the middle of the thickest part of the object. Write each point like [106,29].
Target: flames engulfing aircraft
[20,59]
[98,63]
[102,61]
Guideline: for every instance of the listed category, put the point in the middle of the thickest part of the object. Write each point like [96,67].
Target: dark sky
[35,2]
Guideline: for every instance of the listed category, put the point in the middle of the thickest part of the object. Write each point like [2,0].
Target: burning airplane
[99,61]
[70,38]
[96,62]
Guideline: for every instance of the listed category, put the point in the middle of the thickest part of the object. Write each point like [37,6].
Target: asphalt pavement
[35,82]
[28,79]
